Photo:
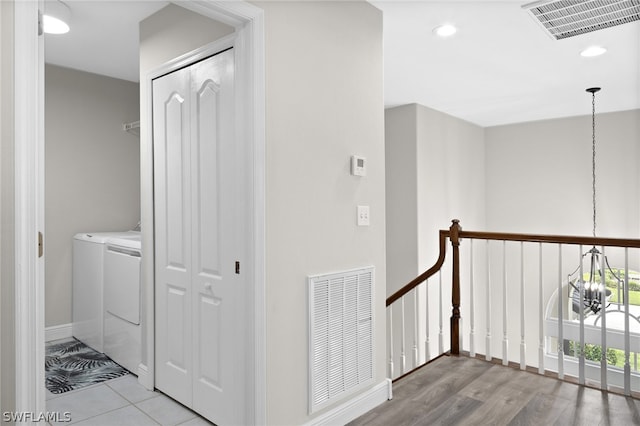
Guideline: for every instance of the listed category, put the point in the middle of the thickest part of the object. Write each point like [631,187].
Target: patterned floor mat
[71,364]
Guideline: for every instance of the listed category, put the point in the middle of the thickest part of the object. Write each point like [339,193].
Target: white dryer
[87,283]
[122,330]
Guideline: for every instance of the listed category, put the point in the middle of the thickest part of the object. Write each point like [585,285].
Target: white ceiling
[103,38]
[500,67]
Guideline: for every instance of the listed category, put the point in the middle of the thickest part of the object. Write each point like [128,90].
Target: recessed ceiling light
[592,51]
[446,30]
[56,17]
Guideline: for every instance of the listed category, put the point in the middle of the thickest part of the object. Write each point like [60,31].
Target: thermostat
[358,165]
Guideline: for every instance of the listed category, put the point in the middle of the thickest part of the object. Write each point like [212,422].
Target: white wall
[324,103]
[92,170]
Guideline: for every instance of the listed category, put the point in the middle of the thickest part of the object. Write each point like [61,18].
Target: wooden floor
[469,391]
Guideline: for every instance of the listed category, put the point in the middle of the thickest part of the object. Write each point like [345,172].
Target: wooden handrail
[552,239]
[505,236]
[444,234]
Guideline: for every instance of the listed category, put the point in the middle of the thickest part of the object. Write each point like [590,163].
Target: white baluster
[560,319]
[581,359]
[505,340]
[523,362]
[390,322]
[427,343]
[620,291]
[603,329]
[540,313]
[472,337]
[625,291]
[488,306]
[403,357]
[415,327]
[440,311]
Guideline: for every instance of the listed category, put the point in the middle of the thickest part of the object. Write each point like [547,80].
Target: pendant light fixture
[56,17]
[590,292]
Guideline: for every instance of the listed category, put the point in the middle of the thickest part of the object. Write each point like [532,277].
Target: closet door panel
[173,222]
[209,347]
[210,300]
[207,187]
[200,327]
[218,322]
[177,181]
[176,311]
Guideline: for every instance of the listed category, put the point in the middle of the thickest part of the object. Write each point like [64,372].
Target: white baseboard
[144,378]
[58,332]
[355,407]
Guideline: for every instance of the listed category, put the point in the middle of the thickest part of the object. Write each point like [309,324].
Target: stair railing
[562,329]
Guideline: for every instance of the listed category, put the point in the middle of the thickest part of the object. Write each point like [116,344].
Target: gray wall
[451,178]
[92,176]
[7,259]
[324,103]
[173,31]
[435,173]
[401,148]
[539,176]
[524,171]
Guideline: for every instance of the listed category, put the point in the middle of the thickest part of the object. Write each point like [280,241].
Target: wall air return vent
[341,334]
[568,18]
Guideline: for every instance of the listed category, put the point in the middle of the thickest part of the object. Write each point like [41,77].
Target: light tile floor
[121,401]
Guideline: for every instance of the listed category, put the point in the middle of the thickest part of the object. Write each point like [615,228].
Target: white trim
[143,375]
[253,37]
[29,208]
[57,332]
[354,408]
[188,59]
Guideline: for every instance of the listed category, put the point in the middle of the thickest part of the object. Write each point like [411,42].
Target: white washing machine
[87,283]
[122,330]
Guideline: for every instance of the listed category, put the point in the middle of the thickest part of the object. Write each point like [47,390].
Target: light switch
[363,215]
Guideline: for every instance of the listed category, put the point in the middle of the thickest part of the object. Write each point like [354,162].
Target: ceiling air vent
[568,18]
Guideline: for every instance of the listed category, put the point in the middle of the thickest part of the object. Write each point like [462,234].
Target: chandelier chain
[593,157]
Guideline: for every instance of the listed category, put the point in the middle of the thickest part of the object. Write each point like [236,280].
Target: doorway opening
[247,22]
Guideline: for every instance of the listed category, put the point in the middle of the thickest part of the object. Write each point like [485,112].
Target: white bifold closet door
[199,294]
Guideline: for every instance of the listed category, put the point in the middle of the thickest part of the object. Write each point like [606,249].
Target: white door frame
[29,207]
[248,21]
